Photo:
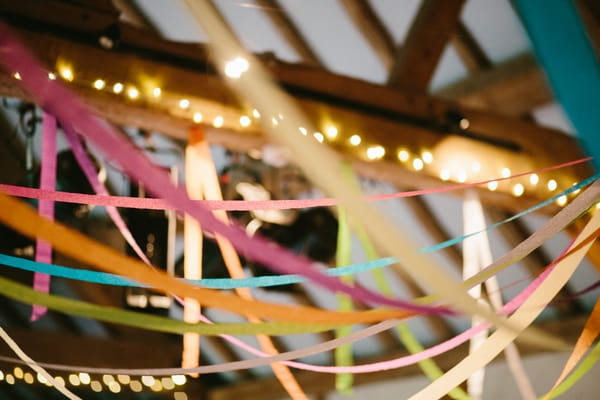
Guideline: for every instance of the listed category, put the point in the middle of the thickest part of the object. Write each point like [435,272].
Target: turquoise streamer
[262,281]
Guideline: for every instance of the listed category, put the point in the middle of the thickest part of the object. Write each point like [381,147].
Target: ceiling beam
[417,59]
[267,388]
[469,51]
[390,117]
[289,31]
[372,29]
[514,88]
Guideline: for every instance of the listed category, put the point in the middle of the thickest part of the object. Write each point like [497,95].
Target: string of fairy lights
[415,160]
[109,383]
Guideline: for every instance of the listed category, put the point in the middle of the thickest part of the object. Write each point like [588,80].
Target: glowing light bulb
[218,121]
[74,380]
[156,92]
[445,174]
[179,379]
[562,200]
[255,113]
[59,380]
[274,121]
[180,396]
[107,379]
[464,124]
[148,380]
[28,378]
[598,206]
[184,103]
[197,118]
[67,74]
[41,378]
[52,76]
[133,93]
[10,379]
[124,379]
[518,190]
[245,121]
[236,67]
[375,152]
[17,76]
[403,155]
[427,157]
[96,386]
[135,386]
[18,373]
[331,132]
[118,87]
[84,378]
[99,84]
[461,176]
[475,166]
[303,130]
[167,383]
[156,386]
[355,140]
[319,136]
[552,185]
[493,185]
[534,179]
[418,164]
[114,387]
[505,172]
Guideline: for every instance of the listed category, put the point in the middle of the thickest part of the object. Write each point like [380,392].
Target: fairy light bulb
[562,200]
[418,164]
[319,136]
[445,174]
[96,386]
[84,378]
[355,140]
[552,185]
[28,378]
[99,84]
[118,87]
[124,379]
[133,93]
[114,387]
[331,132]
[518,190]
[461,176]
[184,104]
[218,121]
[236,67]
[303,130]
[427,157]
[179,379]
[197,117]
[245,121]
[52,76]
[475,166]
[534,179]
[147,380]
[375,152]
[67,74]
[255,113]
[505,172]
[156,92]
[274,121]
[135,386]
[493,185]
[403,155]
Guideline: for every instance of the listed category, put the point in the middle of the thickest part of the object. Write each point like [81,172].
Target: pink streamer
[43,249]
[238,205]
[90,173]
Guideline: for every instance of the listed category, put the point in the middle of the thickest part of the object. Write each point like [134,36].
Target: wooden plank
[418,57]
[289,31]
[512,88]
[469,51]
[268,388]
[372,29]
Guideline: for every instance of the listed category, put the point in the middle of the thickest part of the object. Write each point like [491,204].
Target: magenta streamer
[43,249]
[89,170]
[63,104]
[241,205]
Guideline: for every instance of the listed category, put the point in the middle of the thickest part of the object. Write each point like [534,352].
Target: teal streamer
[262,281]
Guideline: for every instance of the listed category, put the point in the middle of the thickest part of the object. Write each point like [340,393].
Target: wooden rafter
[372,29]
[289,31]
[429,34]
[469,51]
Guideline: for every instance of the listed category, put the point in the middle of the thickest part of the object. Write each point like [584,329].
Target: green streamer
[27,295]
[343,354]
[408,339]
[590,360]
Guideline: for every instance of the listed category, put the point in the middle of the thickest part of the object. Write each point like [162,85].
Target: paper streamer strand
[36,367]
[43,249]
[246,205]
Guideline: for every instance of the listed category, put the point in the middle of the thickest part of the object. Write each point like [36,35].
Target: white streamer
[34,366]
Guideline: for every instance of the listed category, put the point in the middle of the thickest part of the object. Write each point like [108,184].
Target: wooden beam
[429,34]
[386,116]
[372,29]
[268,389]
[590,15]
[469,51]
[289,31]
[512,88]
